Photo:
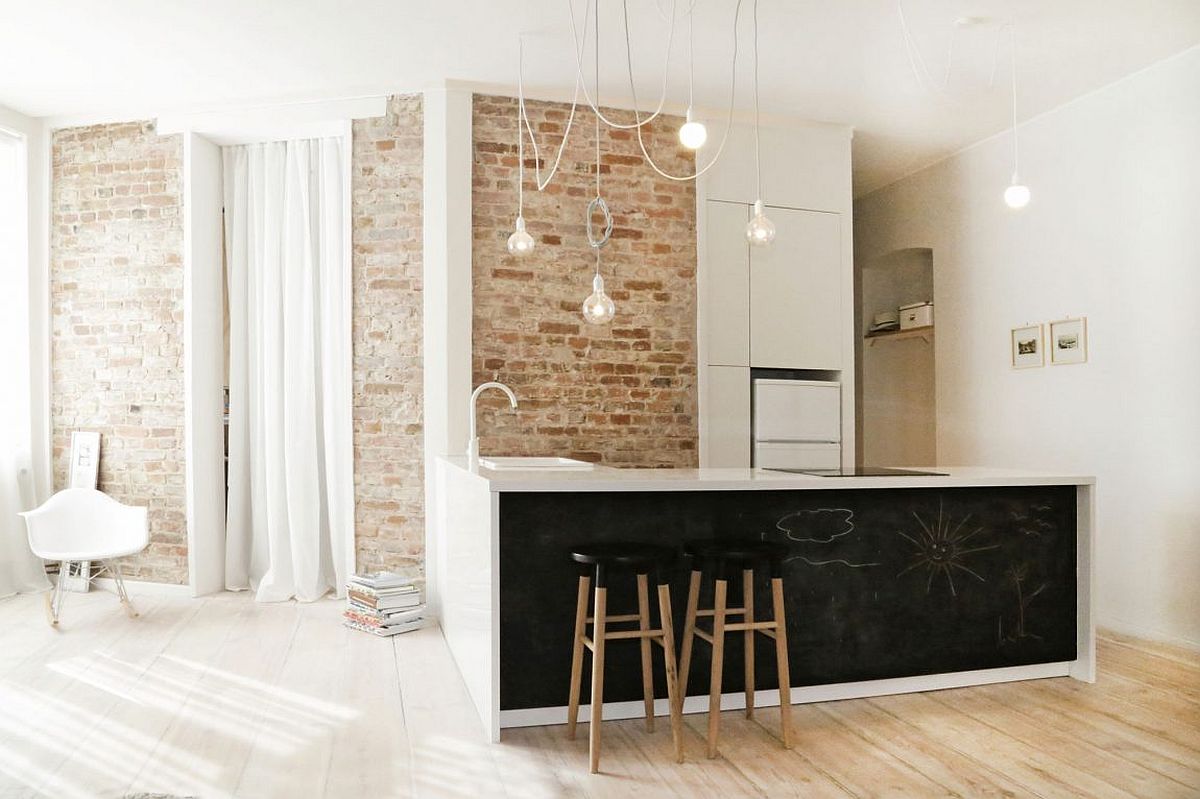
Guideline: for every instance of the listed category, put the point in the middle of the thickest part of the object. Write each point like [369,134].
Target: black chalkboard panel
[880,582]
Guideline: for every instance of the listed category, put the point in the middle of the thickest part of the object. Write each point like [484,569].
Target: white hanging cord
[949,59]
[598,204]
[757,156]
[691,62]
[662,98]
[663,14]
[520,132]
[1012,32]
[729,119]
[916,60]
[596,34]
[523,119]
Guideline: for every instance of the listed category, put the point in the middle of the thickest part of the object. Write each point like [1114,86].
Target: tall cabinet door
[796,293]
[727,284]
[726,410]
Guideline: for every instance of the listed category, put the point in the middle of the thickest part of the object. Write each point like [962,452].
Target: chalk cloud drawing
[818,528]
[941,548]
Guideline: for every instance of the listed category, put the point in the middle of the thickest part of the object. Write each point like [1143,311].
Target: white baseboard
[1137,631]
[144,587]
[541,716]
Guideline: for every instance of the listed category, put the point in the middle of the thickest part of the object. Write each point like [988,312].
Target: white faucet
[473,443]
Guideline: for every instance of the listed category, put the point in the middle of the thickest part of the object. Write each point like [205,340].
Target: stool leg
[674,700]
[581,609]
[781,658]
[748,637]
[597,677]
[643,592]
[689,634]
[718,658]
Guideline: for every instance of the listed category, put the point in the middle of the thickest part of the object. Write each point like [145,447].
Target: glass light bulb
[598,308]
[760,231]
[520,242]
[1017,195]
[692,134]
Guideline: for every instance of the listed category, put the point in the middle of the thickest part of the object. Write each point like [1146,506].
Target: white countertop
[603,478]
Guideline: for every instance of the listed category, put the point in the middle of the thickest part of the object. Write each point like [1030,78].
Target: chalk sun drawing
[942,547]
[820,527]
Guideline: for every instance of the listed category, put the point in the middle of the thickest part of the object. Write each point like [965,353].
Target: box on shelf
[917,314]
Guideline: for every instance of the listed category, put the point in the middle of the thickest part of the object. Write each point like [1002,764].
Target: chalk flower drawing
[942,547]
[820,527]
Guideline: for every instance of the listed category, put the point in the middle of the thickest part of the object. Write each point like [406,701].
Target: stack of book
[383,603]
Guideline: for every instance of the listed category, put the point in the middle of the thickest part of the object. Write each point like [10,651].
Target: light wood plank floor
[225,697]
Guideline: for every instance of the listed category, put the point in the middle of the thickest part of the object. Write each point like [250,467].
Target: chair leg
[781,659]
[119,579]
[55,599]
[674,700]
[643,594]
[748,637]
[54,596]
[689,635]
[597,678]
[718,658]
[581,609]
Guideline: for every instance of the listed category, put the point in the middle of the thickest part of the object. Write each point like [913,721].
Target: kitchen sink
[534,464]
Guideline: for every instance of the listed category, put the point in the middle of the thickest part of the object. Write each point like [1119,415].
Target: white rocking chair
[83,524]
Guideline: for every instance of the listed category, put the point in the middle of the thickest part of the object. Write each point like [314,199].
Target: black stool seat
[623,553]
[737,551]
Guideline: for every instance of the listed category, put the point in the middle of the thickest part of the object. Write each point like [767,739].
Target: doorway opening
[897,406]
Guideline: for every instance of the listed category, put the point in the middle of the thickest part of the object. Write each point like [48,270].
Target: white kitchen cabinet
[797,318]
[727,284]
[726,413]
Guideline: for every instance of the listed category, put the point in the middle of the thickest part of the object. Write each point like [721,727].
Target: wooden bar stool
[641,559]
[716,558]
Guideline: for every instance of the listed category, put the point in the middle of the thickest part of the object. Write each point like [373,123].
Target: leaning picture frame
[1068,341]
[85,459]
[1027,344]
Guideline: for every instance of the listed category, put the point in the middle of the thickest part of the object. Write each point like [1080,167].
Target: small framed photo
[1027,347]
[85,459]
[1068,341]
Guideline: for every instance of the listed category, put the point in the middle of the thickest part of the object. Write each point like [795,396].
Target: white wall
[34,360]
[1113,233]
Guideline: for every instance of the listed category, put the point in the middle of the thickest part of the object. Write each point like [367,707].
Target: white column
[446,298]
[203,364]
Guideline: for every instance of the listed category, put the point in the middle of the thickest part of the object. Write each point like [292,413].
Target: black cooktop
[862,471]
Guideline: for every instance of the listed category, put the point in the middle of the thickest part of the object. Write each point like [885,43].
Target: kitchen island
[893,583]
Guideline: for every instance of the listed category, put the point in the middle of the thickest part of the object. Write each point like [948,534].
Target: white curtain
[291,495]
[19,569]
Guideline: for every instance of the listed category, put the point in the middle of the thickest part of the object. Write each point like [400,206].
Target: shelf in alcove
[924,332]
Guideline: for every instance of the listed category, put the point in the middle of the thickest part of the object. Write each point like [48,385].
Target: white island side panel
[466,586]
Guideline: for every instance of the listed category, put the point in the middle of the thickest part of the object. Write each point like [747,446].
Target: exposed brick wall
[623,394]
[116,276]
[388,446]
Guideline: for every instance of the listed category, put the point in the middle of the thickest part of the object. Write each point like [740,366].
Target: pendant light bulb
[1017,195]
[520,243]
[692,134]
[598,308]
[760,231]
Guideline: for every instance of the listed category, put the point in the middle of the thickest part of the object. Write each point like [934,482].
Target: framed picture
[1068,341]
[85,459]
[1027,347]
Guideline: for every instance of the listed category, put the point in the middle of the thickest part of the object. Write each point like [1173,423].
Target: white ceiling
[841,61]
